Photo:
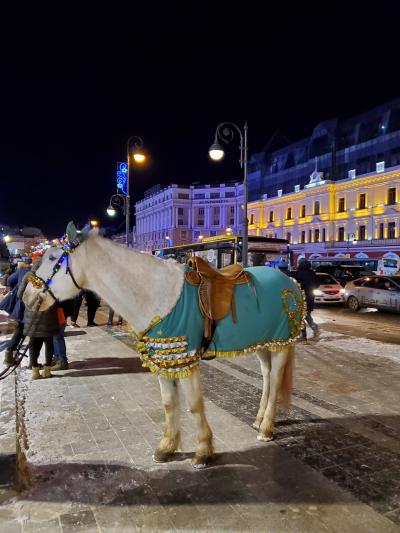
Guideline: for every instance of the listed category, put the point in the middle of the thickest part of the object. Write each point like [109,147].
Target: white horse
[140,287]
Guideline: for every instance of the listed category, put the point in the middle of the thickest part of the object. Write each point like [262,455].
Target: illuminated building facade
[334,192]
[181,214]
[345,218]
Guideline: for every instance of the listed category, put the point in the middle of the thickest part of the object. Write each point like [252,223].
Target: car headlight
[342,291]
[317,292]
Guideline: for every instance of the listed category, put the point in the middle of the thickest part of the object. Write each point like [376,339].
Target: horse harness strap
[69,271]
[216,291]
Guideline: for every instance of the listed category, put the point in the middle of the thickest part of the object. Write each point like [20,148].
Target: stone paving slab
[91,432]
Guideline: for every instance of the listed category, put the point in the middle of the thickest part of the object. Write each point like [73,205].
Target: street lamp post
[136,143]
[350,238]
[225,132]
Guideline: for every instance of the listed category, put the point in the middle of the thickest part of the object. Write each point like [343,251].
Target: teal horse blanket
[269,314]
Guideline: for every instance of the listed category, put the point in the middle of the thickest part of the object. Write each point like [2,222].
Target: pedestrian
[40,327]
[92,302]
[111,318]
[60,359]
[15,307]
[309,282]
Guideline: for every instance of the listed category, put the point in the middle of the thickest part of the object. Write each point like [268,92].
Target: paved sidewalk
[89,435]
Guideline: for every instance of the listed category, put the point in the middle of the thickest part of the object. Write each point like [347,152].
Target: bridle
[40,283]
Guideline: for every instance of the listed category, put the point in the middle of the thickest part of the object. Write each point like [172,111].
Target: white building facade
[181,214]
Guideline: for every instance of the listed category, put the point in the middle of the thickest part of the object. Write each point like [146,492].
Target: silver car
[381,292]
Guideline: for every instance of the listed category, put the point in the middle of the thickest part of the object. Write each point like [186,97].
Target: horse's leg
[172,436]
[205,448]
[280,376]
[264,357]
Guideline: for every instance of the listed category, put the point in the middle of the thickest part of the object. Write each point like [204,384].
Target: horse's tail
[287,380]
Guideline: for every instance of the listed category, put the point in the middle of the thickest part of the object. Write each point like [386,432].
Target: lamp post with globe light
[134,145]
[225,133]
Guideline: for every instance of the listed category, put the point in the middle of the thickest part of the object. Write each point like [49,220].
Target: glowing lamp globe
[111,211]
[139,157]
[216,152]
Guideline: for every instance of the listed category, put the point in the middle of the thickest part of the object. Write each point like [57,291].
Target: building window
[341,208]
[316,208]
[201,211]
[380,167]
[391,230]
[303,237]
[361,233]
[362,201]
[288,236]
[341,234]
[323,234]
[302,211]
[392,196]
[309,235]
[352,173]
[229,194]
[316,235]
[251,219]
[381,234]
[180,210]
[271,216]
[214,195]
[289,213]
[231,215]
[183,196]
[199,196]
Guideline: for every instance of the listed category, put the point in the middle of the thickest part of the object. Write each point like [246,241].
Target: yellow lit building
[353,217]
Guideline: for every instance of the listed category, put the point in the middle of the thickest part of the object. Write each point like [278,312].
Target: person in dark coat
[14,280]
[309,282]
[60,359]
[41,328]
[92,302]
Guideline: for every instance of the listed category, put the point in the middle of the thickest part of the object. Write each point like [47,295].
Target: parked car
[344,273]
[329,290]
[381,292]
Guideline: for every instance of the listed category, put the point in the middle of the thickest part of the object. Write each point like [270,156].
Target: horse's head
[56,278]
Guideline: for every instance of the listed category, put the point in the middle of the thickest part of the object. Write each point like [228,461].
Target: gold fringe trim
[139,335]
[274,346]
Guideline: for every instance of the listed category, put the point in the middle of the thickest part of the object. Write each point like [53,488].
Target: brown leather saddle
[216,290]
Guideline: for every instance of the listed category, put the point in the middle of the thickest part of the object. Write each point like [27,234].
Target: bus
[224,250]
[384,265]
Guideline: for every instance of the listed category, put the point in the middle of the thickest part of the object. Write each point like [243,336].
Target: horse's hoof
[201,462]
[162,457]
[256,425]
[265,438]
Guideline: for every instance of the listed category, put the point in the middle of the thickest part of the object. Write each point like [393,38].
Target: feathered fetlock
[47,372]
[35,373]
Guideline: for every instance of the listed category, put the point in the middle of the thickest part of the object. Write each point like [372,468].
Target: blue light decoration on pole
[122,176]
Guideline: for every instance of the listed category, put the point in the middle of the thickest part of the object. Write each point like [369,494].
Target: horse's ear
[71,231]
[84,233]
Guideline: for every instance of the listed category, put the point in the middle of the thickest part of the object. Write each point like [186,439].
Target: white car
[329,291]
[380,292]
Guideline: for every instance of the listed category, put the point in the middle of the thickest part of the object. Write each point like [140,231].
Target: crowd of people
[46,328]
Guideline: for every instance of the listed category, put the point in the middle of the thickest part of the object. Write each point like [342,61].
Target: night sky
[76,83]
